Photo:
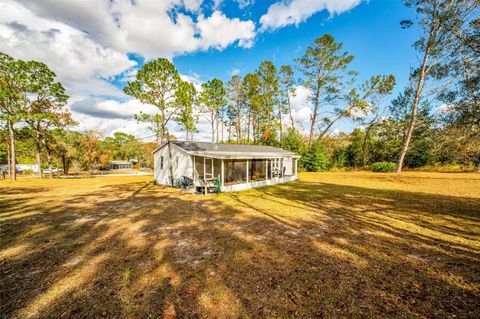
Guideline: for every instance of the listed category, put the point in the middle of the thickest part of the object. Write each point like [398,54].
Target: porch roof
[231,151]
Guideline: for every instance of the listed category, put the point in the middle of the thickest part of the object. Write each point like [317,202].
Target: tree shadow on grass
[139,250]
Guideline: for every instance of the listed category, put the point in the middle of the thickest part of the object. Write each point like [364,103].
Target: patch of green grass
[345,244]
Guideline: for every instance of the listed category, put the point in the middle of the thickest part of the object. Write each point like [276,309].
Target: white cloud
[194,79]
[234,71]
[111,109]
[218,31]
[242,4]
[283,13]
[81,64]
[217,4]
[301,107]
[302,115]
[192,5]
[150,28]
[301,98]
[86,44]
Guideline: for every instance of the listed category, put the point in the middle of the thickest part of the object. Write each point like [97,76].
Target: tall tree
[156,84]
[379,86]
[324,67]
[185,98]
[360,102]
[13,83]
[155,124]
[253,98]
[65,146]
[91,153]
[116,142]
[269,92]
[439,22]
[288,89]
[461,142]
[46,109]
[236,95]
[212,99]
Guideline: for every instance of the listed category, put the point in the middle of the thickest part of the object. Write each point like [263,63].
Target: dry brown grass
[331,245]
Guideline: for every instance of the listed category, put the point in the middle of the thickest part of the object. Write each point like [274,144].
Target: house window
[161,162]
[176,160]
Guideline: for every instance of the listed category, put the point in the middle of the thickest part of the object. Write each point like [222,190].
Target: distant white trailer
[21,168]
[120,165]
[236,166]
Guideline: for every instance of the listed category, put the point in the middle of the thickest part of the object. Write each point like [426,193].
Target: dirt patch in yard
[330,245]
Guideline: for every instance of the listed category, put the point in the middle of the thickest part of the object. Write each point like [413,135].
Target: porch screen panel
[199,167]
[208,168]
[257,170]
[235,171]
[217,167]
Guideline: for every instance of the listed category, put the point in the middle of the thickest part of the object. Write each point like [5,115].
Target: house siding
[181,165]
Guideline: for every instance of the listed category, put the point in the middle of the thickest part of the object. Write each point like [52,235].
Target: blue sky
[95,47]
[370,31]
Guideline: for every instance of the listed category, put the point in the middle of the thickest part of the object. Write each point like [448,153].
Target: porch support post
[204,178]
[193,175]
[222,178]
[281,167]
[271,167]
[247,171]
[266,169]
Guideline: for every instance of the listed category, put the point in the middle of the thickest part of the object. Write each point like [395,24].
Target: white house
[238,166]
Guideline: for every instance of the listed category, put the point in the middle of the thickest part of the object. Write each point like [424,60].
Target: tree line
[257,108]
[37,124]
[435,118]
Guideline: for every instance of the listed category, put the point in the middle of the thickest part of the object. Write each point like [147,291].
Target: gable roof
[230,151]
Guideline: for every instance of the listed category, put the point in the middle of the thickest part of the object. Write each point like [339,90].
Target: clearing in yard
[330,245]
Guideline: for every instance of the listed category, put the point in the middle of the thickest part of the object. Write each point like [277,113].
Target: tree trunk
[39,160]
[364,144]
[411,126]
[290,110]
[38,154]
[217,125]
[280,123]
[49,161]
[13,160]
[213,127]
[163,124]
[221,138]
[249,117]
[64,165]
[8,160]
[328,127]
[239,127]
[254,129]
[313,117]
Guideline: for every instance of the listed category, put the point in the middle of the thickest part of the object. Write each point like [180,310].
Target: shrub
[28,171]
[384,167]
[315,158]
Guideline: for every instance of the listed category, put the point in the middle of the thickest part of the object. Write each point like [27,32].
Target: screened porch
[241,173]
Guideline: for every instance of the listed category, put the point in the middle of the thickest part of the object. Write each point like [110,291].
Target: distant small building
[21,168]
[120,165]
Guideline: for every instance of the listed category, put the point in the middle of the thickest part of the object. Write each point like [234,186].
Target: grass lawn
[331,245]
